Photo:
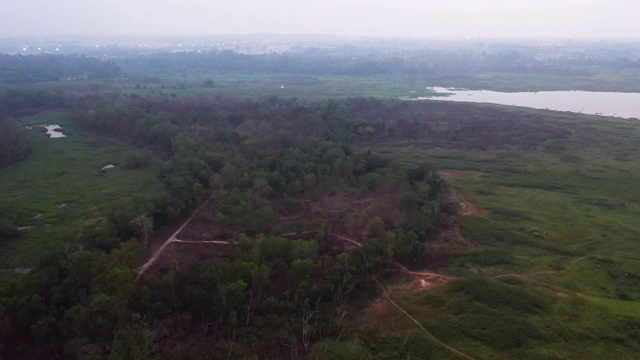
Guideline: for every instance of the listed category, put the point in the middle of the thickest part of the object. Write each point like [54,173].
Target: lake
[623,105]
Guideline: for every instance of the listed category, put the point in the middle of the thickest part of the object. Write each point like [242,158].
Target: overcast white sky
[386,18]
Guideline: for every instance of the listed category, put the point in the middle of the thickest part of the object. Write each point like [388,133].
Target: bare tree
[143,226]
[307,325]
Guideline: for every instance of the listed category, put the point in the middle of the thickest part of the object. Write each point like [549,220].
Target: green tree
[133,342]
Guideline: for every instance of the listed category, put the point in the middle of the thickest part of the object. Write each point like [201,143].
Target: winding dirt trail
[403,269]
[347,239]
[531,276]
[545,272]
[386,294]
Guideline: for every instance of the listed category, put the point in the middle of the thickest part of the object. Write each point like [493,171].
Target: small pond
[54,131]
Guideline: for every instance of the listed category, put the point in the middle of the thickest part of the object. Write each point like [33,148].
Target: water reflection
[623,105]
[53,131]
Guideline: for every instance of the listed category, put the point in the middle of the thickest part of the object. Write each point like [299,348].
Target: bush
[138,160]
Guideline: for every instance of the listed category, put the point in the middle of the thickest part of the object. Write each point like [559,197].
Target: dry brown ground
[466,207]
[349,215]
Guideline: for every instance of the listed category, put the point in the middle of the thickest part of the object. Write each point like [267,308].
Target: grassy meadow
[551,267]
[257,85]
[61,191]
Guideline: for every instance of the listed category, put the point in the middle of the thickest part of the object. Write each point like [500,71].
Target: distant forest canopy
[363,61]
[15,69]
[20,102]
[342,60]
[355,63]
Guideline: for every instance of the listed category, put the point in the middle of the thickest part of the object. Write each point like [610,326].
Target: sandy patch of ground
[465,207]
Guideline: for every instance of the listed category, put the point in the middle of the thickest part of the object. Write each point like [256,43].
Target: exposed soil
[421,280]
[348,215]
[465,207]
[161,234]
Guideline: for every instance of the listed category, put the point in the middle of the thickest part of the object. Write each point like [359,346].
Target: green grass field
[64,171]
[552,268]
[256,85]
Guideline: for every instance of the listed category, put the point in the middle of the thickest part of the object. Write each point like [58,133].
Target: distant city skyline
[578,19]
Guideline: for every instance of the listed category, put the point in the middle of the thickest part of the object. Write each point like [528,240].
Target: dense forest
[347,62]
[273,171]
[376,59]
[356,61]
[15,69]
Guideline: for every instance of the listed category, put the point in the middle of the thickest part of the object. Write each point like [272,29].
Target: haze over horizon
[576,19]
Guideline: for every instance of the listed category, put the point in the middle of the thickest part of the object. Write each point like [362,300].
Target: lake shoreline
[611,104]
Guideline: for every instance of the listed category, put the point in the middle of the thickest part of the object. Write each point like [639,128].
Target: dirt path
[544,272]
[299,233]
[404,270]
[384,291]
[530,276]
[172,239]
[201,242]
[347,239]
[141,270]
[331,234]
[544,283]
[550,272]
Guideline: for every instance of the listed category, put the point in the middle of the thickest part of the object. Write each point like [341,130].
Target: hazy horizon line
[319,34]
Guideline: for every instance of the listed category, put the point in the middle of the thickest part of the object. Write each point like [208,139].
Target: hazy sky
[388,18]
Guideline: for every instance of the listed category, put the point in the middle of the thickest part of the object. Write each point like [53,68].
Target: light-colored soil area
[466,208]
[421,280]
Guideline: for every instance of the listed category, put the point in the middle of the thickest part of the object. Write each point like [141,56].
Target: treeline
[15,69]
[13,143]
[291,63]
[20,102]
[354,61]
[270,164]
[14,146]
